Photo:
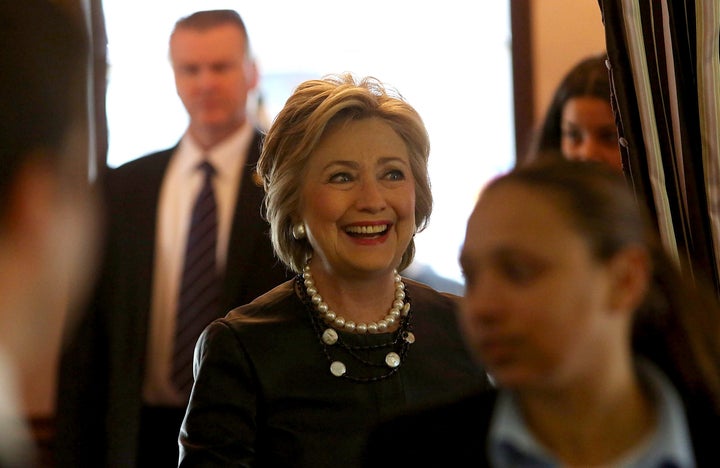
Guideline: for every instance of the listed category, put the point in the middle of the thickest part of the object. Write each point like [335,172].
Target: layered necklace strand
[325,323]
[399,308]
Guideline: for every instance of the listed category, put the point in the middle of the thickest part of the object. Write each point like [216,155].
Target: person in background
[119,402]
[602,351]
[579,121]
[49,218]
[297,376]
[425,273]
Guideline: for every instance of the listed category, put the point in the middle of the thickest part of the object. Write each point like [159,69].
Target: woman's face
[358,199]
[538,308]
[589,132]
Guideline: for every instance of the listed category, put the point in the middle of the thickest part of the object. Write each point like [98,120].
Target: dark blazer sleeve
[220,425]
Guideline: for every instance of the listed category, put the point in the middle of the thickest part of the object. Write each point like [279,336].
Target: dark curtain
[665,73]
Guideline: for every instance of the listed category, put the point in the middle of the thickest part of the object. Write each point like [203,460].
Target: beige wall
[563,32]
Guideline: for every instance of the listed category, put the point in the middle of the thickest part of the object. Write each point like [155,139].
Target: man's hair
[203,20]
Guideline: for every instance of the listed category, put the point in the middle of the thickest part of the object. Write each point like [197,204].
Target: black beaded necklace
[333,344]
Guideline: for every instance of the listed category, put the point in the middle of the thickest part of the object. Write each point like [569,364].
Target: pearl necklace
[400,308]
[338,350]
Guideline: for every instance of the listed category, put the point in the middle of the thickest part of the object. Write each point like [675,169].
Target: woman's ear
[631,271]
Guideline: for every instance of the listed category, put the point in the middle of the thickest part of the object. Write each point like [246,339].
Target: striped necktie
[198,302]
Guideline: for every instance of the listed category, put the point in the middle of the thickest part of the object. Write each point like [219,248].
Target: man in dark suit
[117,403]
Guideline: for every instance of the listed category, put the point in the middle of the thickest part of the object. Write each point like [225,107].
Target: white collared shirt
[181,184]
[512,444]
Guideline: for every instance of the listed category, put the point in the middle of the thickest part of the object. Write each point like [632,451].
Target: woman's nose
[371,197]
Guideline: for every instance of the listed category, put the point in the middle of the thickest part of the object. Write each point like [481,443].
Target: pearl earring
[298,231]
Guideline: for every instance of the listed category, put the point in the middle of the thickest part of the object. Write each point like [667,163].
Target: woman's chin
[509,378]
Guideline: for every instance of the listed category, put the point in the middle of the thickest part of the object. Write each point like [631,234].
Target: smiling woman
[375,178]
[344,168]
[294,41]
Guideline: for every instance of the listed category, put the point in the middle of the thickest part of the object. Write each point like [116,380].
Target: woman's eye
[395,174]
[340,177]
[610,138]
[520,272]
[573,136]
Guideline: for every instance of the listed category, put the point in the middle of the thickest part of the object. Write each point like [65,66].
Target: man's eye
[221,67]
[189,70]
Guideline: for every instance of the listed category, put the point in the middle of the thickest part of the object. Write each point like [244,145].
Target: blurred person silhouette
[48,209]
[603,353]
[296,377]
[579,121]
[125,374]
[425,273]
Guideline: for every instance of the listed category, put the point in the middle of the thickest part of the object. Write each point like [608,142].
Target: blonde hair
[297,130]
